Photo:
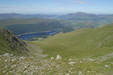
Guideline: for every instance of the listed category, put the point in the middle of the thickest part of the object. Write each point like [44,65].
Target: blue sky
[56,6]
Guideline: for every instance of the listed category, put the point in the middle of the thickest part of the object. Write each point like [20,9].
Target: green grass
[33,66]
[80,44]
[90,50]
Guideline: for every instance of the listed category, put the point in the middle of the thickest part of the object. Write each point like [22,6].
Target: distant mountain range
[25,16]
[80,17]
[38,23]
[70,16]
[86,16]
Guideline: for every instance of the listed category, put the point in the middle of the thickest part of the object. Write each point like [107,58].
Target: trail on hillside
[36,51]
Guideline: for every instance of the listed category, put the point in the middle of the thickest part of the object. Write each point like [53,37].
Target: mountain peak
[81,13]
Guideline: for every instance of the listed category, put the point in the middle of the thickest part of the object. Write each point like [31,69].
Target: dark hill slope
[9,43]
[21,26]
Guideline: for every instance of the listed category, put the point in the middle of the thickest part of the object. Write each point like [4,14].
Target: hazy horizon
[16,13]
[56,6]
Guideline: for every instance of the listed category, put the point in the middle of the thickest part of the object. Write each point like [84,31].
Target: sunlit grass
[79,44]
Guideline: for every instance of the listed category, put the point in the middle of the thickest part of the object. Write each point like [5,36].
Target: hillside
[40,26]
[9,43]
[78,44]
[4,16]
[88,19]
[62,23]
[83,52]
[21,26]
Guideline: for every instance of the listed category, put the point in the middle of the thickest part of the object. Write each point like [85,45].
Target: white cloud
[81,1]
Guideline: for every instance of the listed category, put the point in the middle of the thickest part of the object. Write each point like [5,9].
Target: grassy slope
[85,42]
[82,43]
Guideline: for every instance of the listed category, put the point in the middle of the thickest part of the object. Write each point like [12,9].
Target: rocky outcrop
[12,43]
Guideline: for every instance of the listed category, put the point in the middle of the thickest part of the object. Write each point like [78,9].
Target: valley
[56,37]
[56,45]
[25,24]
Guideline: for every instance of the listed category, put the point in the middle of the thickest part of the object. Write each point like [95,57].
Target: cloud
[81,1]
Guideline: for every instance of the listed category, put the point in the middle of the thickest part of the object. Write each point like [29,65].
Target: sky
[56,6]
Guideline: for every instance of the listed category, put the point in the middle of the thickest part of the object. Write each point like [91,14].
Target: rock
[80,73]
[52,58]
[22,58]
[71,63]
[90,59]
[70,59]
[107,66]
[80,61]
[67,74]
[6,54]
[58,57]
[88,71]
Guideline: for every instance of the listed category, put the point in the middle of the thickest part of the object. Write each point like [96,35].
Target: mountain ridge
[49,16]
[9,43]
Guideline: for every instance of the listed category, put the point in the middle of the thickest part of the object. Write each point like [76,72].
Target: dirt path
[36,51]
